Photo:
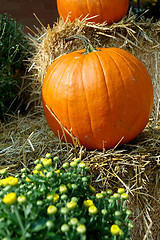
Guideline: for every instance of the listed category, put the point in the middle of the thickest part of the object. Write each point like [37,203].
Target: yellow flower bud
[81,228]
[65,228]
[48,155]
[77,160]
[38,166]
[65,165]
[10,198]
[3,171]
[73,221]
[99,195]
[82,165]
[92,189]
[92,210]
[49,197]
[63,189]
[51,210]
[73,164]
[124,196]
[21,199]
[47,162]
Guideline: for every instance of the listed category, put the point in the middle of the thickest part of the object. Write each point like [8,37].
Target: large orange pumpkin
[102,96]
[101,10]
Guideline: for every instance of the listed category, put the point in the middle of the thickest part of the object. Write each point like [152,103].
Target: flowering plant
[52,203]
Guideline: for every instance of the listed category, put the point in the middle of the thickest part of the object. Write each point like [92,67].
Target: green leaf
[28,209]
[53,236]
[39,225]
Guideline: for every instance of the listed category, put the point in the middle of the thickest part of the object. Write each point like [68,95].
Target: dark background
[22,10]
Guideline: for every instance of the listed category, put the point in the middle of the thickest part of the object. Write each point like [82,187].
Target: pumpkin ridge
[124,85]
[50,72]
[68,105]
[101,65]
[124,57]
[86,98]
[127,101]
[57,86]
[67,98]
[134,61]
[48,77]
[131,70]
[69,76]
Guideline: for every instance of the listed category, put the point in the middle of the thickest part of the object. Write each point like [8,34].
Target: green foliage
[52,203]
[12,53]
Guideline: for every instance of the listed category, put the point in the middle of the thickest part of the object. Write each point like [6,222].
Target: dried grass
[134,166]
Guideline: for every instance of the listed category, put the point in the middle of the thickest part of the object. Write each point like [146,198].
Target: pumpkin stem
[88,46]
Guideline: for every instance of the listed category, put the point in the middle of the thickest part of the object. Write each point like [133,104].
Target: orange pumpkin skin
[107,10]
[102,97]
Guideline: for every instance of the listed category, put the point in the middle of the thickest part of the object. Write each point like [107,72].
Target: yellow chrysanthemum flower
[88,203]
[35,171]
[121,190]
[71,205]
[12,181]
[55,197]
[3,182]
[41,173]
[27,179]
[10,198]
[115,230]
[57,172]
